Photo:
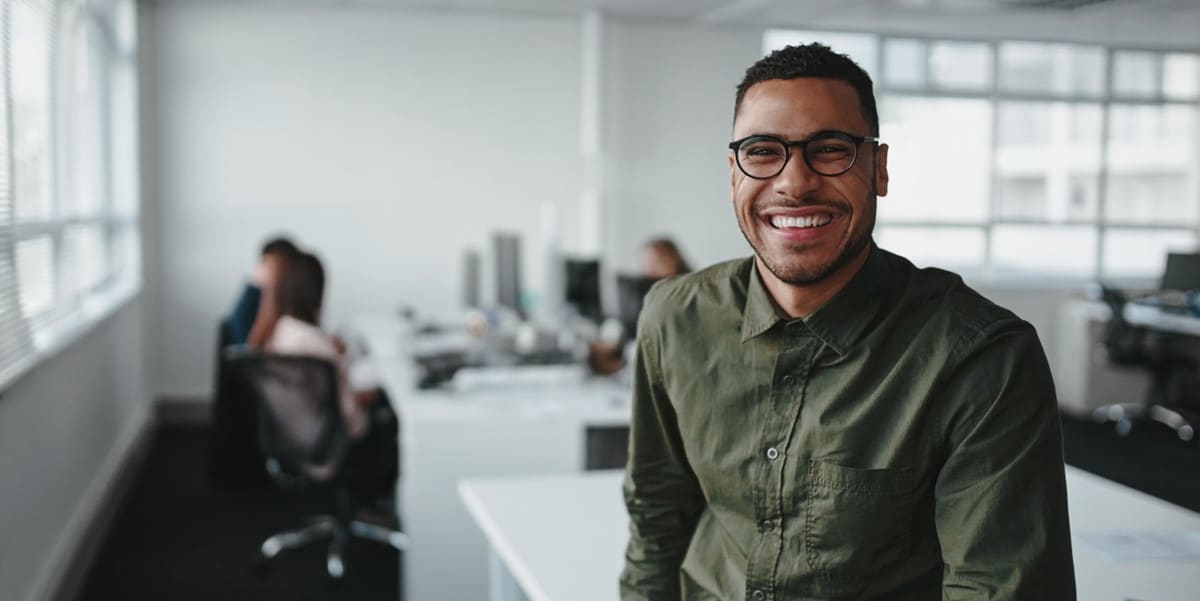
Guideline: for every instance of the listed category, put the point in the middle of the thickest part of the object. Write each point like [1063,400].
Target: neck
[804,300]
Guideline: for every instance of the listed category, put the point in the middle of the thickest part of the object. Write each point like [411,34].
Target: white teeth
[782,221]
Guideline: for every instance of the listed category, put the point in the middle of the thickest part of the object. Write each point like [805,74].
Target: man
[244,324]
[823,420]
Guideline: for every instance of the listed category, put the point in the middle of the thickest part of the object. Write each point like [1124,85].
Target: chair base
[1125,414]
[338,532]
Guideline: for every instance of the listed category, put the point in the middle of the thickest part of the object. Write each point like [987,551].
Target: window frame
[76,307]
[987,273]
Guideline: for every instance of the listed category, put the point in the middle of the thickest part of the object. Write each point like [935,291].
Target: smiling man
[824,420]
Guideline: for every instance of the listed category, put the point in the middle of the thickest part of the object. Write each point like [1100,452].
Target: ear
[733,171]
[881,172]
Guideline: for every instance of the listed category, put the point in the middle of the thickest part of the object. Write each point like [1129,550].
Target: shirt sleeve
[242,319]
[661,492]
[1001,497]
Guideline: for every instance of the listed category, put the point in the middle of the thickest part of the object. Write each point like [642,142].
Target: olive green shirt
[902,442]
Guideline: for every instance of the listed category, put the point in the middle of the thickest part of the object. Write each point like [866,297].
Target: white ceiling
[1148,23]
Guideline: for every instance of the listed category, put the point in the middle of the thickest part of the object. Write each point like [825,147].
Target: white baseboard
[62,575]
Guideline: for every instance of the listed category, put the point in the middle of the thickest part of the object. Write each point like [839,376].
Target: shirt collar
[761,312]
[840,322]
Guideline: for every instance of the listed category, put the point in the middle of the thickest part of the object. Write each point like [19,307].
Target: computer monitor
[507,250]
[583,286]
[1182,272]
[631,291]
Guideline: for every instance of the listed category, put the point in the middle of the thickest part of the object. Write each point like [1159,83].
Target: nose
[797,179]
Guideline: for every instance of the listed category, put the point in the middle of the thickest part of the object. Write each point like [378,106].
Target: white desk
[562,538]
[446,436]
[1155,318]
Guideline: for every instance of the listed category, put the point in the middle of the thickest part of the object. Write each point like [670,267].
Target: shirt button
[789,380]
[759,595]
[772,453]
[768,525]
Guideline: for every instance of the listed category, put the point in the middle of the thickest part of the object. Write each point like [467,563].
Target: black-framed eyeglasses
[828,153]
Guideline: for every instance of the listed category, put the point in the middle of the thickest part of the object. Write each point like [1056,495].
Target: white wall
[388,140]
[63,427]
[315,120]
[669,114]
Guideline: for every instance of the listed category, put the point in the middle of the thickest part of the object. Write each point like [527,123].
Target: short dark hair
[279,245]
[300,286]
[813,60]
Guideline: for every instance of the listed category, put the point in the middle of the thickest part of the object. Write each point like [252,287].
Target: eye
[829,148]
[762,150]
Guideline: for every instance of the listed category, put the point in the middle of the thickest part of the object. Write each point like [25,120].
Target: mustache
[838,206]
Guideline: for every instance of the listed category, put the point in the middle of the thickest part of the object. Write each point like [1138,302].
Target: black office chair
[234,458]
[1132,346]
[301,434]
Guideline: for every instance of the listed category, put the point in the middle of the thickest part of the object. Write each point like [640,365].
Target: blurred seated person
[240,323]
[371,464]
[661,258]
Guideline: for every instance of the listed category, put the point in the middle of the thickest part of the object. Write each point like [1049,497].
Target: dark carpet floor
[1151,459]
[178,537]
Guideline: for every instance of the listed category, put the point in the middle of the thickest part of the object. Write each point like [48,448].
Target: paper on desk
[1143,545]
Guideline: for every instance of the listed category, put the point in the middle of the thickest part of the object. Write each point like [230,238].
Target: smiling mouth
[785,222]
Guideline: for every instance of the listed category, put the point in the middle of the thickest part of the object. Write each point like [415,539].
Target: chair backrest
[299,421]
[1123,343]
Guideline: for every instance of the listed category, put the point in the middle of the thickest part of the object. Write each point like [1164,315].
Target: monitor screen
[1182,272]
[631,291]
[583,286]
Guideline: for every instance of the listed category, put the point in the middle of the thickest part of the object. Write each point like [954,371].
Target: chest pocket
[857,523]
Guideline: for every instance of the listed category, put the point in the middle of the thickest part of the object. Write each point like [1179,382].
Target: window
[1065,161]
[69,249]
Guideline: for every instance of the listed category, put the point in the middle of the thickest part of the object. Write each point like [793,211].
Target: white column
[591,118]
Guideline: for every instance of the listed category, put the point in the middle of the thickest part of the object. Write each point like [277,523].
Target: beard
[788,267]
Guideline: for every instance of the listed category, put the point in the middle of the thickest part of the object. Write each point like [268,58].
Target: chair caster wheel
[1124,427]
[1186,433]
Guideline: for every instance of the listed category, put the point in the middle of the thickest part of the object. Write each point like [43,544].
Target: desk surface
[563,537]
[1154,317]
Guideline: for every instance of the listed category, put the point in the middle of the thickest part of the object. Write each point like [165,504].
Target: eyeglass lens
[763,157]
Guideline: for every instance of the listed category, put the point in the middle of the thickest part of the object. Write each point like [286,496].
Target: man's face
[802,225]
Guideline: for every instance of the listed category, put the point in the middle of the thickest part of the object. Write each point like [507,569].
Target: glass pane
[124,260]
[5,201]
[953,248]
[1154,165]
[1044,250]
[861,47]
[1052,68]
[1135,74]
[1143,253]
[30,111]
[905,62]
[85,257]
[1181,76]
[960,65]
[35,275]
[1048,161]
[935,176]
[82,191]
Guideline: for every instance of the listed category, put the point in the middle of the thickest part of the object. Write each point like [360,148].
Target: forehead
[798,107]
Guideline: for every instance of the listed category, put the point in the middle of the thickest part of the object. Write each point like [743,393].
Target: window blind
[69,251]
